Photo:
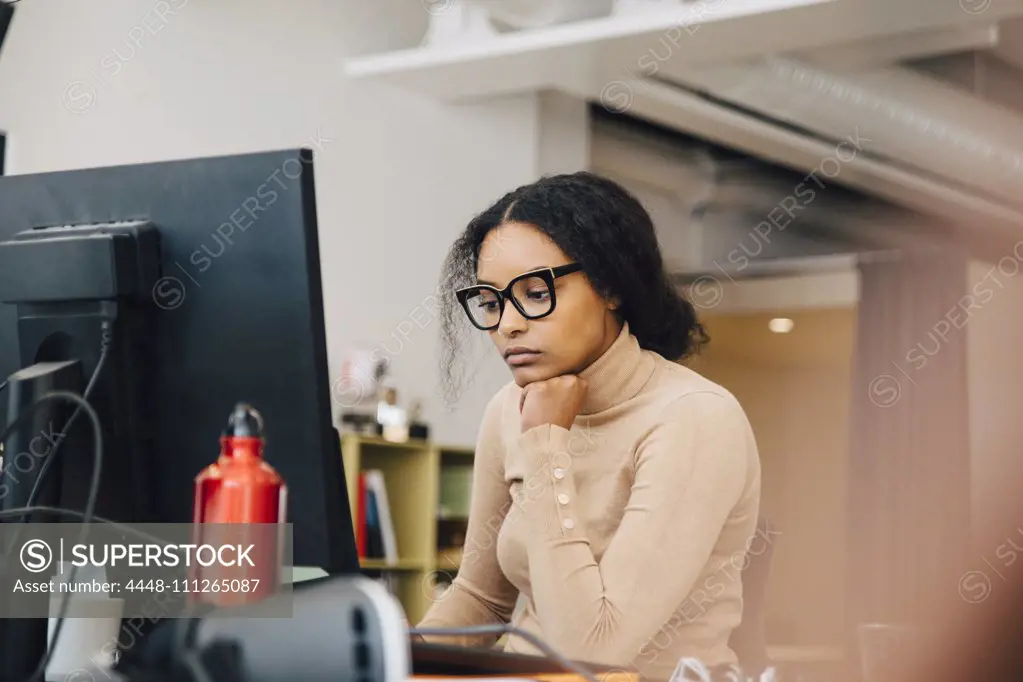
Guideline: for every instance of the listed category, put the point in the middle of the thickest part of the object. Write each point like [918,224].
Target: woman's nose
[512,320]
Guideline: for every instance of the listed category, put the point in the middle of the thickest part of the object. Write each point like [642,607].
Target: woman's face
[579,330]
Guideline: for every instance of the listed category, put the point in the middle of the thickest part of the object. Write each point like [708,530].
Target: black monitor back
[6,14]
[237,314]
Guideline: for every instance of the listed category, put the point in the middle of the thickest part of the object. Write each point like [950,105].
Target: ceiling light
[781,325]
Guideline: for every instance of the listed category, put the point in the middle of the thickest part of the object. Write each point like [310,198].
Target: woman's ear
[613,304]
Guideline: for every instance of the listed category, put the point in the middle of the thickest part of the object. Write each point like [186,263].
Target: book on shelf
[375,535]
[455,491]
[360,517]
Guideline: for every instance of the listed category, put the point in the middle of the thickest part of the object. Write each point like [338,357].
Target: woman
[614,489]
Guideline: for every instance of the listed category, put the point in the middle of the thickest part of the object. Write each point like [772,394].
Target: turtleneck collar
[617,375]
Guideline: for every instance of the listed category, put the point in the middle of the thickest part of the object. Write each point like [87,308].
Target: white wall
[86,83]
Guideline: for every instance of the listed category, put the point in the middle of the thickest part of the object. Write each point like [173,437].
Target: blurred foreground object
[342,628]
[975,640]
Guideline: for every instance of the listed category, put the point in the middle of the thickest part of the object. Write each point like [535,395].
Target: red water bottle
[240,500]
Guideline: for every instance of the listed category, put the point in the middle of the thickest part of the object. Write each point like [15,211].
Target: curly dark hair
[604,228]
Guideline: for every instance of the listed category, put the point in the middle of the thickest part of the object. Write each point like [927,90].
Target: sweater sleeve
[691,470]
[480,594]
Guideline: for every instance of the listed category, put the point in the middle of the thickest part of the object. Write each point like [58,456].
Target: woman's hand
[554,401]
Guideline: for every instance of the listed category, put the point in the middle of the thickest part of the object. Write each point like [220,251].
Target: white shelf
[583,57]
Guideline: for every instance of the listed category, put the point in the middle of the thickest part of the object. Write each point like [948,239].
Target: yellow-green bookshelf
[412,472]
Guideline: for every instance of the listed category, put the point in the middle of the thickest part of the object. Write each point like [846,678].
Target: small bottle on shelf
[417,428]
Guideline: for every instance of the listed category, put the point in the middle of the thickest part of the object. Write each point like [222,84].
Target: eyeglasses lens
[483,307]
[531,293]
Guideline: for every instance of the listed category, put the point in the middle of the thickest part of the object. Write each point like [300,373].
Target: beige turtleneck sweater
[625,535]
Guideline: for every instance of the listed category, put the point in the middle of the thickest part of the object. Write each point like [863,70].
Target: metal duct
[897,115]
[718,210]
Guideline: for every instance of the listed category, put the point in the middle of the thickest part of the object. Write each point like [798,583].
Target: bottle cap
[244,422]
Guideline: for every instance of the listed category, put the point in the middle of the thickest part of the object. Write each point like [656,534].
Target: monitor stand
[23,640]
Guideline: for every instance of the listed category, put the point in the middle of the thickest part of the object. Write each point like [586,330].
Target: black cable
[104,353]
[82,404]
[90,504]
[2,387]
[564,662]
[90,509]
[60,511]
[183,649]
[189,657]
[97,431]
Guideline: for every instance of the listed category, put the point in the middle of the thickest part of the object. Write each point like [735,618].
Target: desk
[449,660]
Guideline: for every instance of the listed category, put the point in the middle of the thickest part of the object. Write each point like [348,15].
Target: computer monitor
[207,273]
[6,14]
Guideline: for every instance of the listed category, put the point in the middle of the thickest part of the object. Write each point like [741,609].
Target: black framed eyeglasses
[532,294]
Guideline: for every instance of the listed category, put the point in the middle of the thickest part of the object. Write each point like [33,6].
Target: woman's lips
[519,359]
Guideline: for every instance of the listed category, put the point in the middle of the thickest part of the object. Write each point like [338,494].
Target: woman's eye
[539,295]
[488,305]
